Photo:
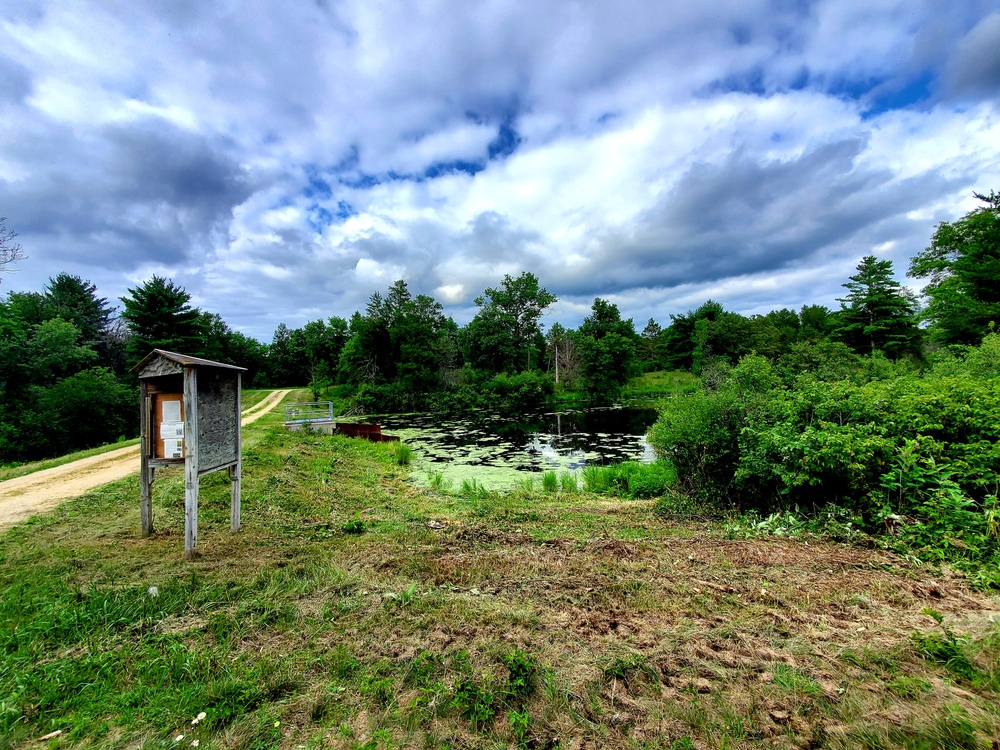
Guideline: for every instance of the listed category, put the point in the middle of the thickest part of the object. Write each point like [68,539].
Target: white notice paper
[173,449]
[171,430]
[171,411]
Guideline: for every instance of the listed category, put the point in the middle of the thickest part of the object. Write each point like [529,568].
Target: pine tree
[651,345]
[160,317]
[878,313]
[76,301]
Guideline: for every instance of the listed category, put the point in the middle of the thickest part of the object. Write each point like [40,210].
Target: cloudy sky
[283,160]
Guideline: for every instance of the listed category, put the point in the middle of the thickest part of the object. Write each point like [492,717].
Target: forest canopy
[65,352]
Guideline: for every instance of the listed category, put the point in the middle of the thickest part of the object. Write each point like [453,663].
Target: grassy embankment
[248,399]
[354,610]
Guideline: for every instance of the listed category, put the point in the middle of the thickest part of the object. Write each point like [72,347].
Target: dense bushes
[86,409]
[474,390]
[479,390]
[881,439]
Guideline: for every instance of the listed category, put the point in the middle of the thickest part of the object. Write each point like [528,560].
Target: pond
[498,451]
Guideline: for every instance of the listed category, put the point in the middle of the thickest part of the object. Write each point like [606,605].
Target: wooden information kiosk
[189,414]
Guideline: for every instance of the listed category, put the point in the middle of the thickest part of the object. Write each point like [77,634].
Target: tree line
[65,352]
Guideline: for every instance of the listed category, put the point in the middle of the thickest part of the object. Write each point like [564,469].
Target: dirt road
[26,496]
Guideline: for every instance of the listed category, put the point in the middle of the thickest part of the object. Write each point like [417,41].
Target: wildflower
[277,723]
[194,743]
[201,716]
[153,591]
[178,738]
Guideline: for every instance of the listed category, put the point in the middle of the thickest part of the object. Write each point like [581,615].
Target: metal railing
[308,412]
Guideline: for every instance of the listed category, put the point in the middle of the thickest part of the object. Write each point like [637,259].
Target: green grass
[253,396]
[630,479]
[550,482]
[340,616]
[661,383]
[402,452]
[568,482]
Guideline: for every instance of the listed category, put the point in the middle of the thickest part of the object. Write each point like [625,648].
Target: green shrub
[698,435]
[476,702]
[521,675]
[946,648]
[887,440]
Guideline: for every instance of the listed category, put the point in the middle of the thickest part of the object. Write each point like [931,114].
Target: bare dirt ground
[26,496]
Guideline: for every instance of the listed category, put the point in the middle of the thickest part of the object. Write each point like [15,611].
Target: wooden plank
[218,425]
[190,463]
[236,472]
[160,366]
[145,472]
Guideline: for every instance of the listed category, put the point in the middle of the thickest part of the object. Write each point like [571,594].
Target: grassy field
[662,383]
[354,610]
[650,385]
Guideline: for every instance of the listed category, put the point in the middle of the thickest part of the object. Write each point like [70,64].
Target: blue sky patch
[451,167]
[506,142]
[915,91]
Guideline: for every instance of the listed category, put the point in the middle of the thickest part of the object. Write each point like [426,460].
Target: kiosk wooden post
[236,472]
[190,415]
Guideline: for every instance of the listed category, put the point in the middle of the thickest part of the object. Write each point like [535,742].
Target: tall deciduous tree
[814,323]
[724,336]
[501,336]
[878,313]
[54,352]
[962,266]
[285,360]
[678,339]
[421,342]
[323,344]
[246,351]
[28,307]
[160,316]
[607,351]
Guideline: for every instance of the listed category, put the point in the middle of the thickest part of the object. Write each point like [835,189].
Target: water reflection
[498,450]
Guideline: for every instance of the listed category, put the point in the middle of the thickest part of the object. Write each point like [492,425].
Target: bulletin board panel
[168,423]
[218,419]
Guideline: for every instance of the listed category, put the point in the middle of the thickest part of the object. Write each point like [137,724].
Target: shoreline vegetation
[355,610]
